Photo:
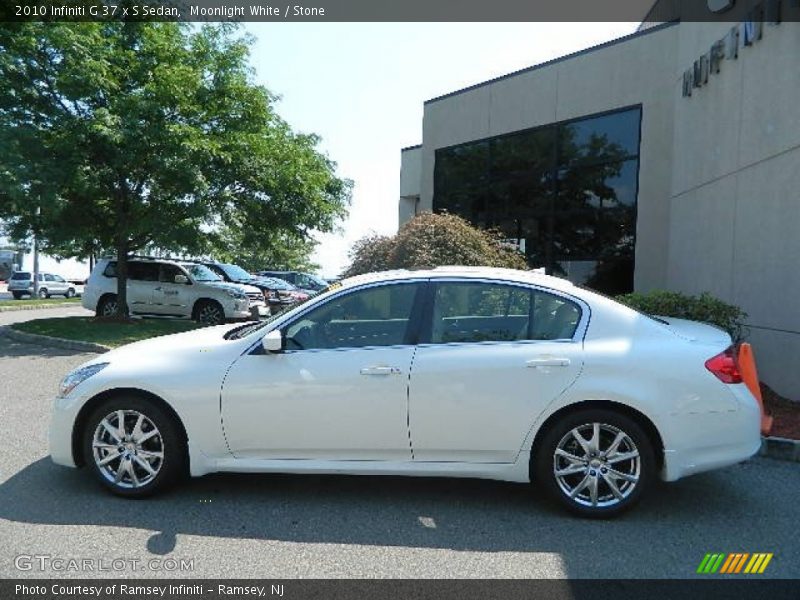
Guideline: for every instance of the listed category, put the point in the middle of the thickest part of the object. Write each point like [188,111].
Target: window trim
[427,327]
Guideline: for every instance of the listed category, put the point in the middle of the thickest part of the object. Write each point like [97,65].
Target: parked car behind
[305,282]
[50,284]
[287,294]
[164,287]
[516,376]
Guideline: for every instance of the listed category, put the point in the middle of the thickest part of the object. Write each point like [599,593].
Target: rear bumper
[723,438]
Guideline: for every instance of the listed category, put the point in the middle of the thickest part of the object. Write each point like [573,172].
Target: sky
[361,87]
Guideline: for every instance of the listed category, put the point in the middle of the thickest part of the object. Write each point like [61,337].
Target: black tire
[17,295]
[70,293]
[209,312]
[107,307]
[43,293]
[607,505]
[173,465]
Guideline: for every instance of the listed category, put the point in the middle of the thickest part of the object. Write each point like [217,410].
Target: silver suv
[164,287]
[21,284]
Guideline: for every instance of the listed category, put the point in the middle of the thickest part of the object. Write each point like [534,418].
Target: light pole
[36,254]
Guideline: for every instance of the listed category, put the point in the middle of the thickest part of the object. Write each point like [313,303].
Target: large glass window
[564,193]
[375,316]
[486,312]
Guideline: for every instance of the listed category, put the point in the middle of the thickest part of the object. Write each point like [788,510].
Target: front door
[142,281]
[170,298]
[495,357]
[339,391]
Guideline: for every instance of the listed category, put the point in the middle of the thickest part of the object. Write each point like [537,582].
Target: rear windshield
[21,275]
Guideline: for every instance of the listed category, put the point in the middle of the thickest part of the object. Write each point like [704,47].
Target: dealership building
[667,159]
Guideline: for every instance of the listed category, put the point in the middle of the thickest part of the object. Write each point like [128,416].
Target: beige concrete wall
[719,189]
[410,177]
[640,70]
[735,214]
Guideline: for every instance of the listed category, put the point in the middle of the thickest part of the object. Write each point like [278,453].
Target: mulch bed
[785,412]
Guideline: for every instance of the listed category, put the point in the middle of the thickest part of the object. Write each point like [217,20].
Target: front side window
[488,312]
[376,316]
[169,272]
[58,278]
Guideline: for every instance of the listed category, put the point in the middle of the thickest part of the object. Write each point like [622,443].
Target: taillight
[725,367]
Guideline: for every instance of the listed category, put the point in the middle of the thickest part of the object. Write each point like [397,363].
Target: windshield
[278,284]
[201,273]
[236,273]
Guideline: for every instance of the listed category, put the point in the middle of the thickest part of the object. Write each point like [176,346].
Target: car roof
[463,272]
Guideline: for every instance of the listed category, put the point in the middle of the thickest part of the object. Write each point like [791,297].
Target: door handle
[550,361]
[381,371]
[158,289]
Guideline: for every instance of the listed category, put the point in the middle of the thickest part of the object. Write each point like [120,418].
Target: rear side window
[21,276]
[48,277]
[142,271]
[487,312]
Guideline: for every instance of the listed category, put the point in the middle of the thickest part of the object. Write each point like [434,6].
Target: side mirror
[273,341]
[181,279]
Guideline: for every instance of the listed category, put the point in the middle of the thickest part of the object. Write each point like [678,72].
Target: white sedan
[457,371]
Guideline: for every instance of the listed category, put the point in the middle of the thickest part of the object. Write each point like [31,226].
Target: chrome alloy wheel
[109,308]
[210,314]
[597,465]
[128,449]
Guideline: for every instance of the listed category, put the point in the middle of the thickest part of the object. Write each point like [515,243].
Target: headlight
[78,376]
[234,293]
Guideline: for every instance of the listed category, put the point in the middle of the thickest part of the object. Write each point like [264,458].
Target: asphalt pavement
[363,527]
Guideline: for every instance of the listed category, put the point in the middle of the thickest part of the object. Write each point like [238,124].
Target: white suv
[21,284]
[171,288]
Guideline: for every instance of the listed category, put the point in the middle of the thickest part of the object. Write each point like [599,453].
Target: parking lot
[320,526]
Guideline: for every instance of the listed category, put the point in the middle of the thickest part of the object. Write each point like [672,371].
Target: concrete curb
[39,306]
[53,342]
[780,448]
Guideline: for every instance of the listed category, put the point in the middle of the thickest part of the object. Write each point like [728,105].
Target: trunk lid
[694,331]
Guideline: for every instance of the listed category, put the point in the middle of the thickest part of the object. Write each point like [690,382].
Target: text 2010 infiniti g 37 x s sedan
[457,371]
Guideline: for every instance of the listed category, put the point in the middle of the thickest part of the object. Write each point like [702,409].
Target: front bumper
[62,421]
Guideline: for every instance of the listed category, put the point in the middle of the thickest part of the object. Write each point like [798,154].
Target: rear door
[495,356]
[142,280]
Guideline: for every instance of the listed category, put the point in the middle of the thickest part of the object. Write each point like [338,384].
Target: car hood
[166,348]
[225,285]
[697,332]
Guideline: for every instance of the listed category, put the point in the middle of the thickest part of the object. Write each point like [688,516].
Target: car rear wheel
[107,306]
[209,312]
[134,447]
[17,295]
[43,293]
[595,463]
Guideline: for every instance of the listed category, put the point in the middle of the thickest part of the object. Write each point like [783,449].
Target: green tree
[134,135]
[430,240]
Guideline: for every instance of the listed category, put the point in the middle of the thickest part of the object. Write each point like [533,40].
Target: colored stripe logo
[736,562]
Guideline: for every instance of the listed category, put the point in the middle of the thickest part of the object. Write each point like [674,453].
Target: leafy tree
[255,251]
[430,240]
[134,135]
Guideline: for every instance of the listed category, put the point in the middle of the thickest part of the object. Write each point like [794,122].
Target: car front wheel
[70,293]
[209,312]
[134,447]
[595,463]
